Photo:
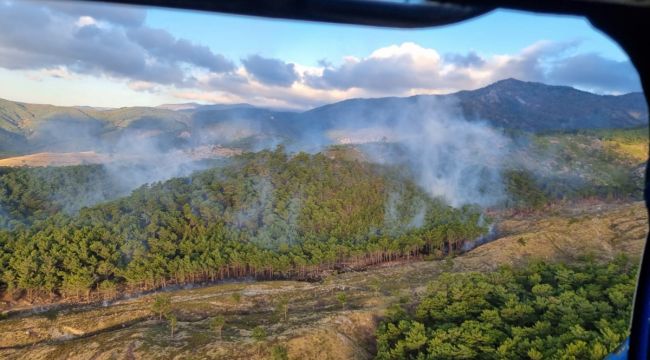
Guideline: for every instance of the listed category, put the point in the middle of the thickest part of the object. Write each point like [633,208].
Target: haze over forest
[272,203]
[449,139]
[101,203]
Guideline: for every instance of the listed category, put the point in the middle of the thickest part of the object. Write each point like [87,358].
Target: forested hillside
[265,215]
[28,195]
[561,166]
[271,214]
[81,233]
[537,312]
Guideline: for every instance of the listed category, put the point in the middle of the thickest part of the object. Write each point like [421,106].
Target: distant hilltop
[508,104]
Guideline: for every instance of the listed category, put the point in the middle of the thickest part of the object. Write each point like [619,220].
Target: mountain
[24,118]
[26,128]
[196,107]
[35,127]
[178,107]
[509,104]
[530,106]
[238,123]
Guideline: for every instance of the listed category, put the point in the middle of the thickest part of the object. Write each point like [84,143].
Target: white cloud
[423,57]
[85,21]
[410,69]
[104,42]
[143,86]
[98,40]
[58,72]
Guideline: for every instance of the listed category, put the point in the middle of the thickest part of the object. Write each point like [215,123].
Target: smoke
[67,133]
[142,157]
[267,228]
[418,219]
[252,214]
[4,218]
[491,234]
[450,157]
[229,131]
[144,152]
[403,213]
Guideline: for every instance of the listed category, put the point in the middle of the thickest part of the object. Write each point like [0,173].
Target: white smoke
[393,214]
[268,228]
[450,157]
[455,159]
[138,159]
[252,213]
[4,217]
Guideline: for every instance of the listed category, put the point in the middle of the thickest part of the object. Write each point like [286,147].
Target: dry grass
[601,231]
[55,159]
[634,151]
[91,157]
[318,325]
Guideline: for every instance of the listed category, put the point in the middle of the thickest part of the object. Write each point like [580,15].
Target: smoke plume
[450,157]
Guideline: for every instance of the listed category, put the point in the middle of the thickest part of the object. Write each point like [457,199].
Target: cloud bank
[98,40]
[64,39]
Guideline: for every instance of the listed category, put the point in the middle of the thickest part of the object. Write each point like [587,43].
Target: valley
[217,231]
[347,180]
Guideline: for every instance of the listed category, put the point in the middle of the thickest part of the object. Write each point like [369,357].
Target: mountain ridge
[507,104]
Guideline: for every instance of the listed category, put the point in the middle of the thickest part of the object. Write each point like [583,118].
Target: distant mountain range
[508,104]
[538,107]
[199,107]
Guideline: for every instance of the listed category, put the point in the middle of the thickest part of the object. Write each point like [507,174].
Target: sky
[102,55]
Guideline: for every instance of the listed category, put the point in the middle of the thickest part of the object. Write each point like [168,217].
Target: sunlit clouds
[115,44]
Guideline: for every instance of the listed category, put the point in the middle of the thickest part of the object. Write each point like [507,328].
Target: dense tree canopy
[538,312]
[30,194]
[263,215]
[66,231]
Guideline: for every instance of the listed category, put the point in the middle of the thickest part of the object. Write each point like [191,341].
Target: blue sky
[501,31]
[84,54]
